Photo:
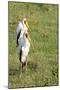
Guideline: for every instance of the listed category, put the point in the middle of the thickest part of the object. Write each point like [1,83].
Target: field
[43,57]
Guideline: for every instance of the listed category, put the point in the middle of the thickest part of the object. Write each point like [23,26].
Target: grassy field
[43,58]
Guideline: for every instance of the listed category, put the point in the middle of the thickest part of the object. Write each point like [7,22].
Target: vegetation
[43,58]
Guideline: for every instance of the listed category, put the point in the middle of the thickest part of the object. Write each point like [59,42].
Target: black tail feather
[20,55]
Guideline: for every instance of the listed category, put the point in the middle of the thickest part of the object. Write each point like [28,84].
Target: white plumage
[23,42]
[24,45]
[25,50]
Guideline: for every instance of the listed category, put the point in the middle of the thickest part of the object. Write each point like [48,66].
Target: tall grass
[43,58]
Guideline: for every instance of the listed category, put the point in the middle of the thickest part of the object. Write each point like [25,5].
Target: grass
[43,59]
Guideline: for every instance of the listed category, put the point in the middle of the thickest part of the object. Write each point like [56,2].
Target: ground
[43,56]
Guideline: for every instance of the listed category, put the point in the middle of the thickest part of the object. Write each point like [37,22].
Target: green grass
[42,60]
